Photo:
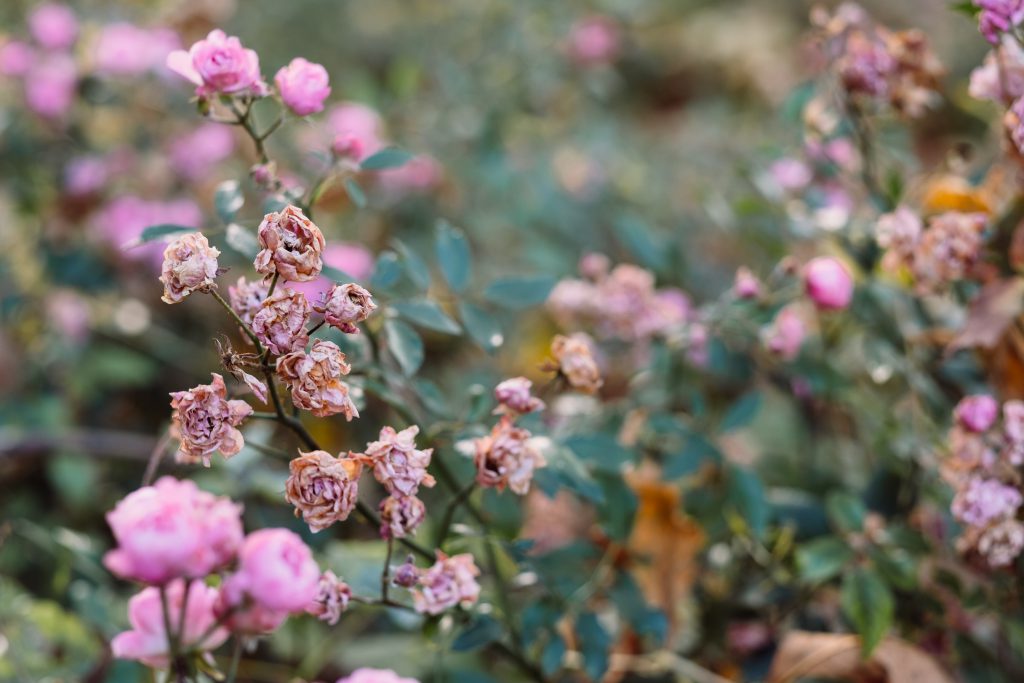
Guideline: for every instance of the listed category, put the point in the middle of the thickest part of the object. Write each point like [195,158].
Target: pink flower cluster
[983,466]
[936,256]
[508,456]
[45,66]
[785,336]
[401,469]
[998,17]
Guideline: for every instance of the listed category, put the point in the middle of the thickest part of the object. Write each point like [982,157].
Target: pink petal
[180,62]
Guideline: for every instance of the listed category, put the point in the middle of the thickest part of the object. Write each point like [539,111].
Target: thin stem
[372,518]
[180,636]
[236,658]
[385,574]
[241,323]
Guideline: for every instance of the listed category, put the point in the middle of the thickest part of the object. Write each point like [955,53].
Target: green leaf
[453,255]
[389,157]
[481,326]
[846,511]
[594,645]
[426,313]
[405,345]
[387,271]
[823,558]
[520,292]
[228,199]
[553,654]
[868,603]
[415,267]
[641,241]
[242,240]
[741,412]
[156,232]
[477,633]
[897,566]
[566,469]
[336,274]
[746,494]
[697,451]
[600,451]
[616,518]
[355,193]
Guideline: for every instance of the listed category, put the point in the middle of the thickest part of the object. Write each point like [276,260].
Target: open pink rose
[303,86]
[219,64]
[147,640]
[276,570]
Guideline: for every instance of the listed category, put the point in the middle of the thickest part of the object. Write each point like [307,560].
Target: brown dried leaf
[991,314]
[836,656]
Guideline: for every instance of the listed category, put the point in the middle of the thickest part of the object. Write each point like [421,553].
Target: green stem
[236,658]
[385,574]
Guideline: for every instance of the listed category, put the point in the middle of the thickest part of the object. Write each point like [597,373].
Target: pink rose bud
[594,40]
[506,457]
[170,530]
[828,283]
[292,246]
[977,413]
[375,676]
[303,86]
[280,323]
[594,266]
[323,489]
[315,380]
[53,26]
[401,516]
[190,265]
[148,642]
[514,397]
[786,334]
[206,422]
[397,464]
[346,305]
[358,122]
[264,174]
[219,64]
[332,598]
[407,574]
[746,286]
[449,582]
[276,570]
[790,175]
[348,146]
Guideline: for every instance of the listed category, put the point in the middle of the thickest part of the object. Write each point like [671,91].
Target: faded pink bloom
[375,676]
[1002,543]
[514,397]
[16,58]
[977,413]
[898,232]
[276,571]
[786,334]
[51,85]
[148,642]
[790,175]
[206,422]
[419,175]
[983,501]
[219,64]
[506,457]
[124,49]
[401,516]
[170,530]
[53,26]
[360,126]
[986,81]
[574,361]
[406,575]
[247,297]
[303,86]
[280,323]
[397,464]
[746,285]
[948,249]
[346,305]
[332,598]
[195,154]
[315,380]
[291,246]
[85,175]
[257,386]
[190,265]
[594,40]
[347,146]
[998,17]
[828,283]
[449,582]
[68,313]
[323,489]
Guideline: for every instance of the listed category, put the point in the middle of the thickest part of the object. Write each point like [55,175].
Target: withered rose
[575,362]
[322,488]
[449,582]
[346,305]
[190,264]
[331,600]
[205,421]
[397,464]
[280,323]
[513,396]
[315,380]
[401,516]
[505,457]
[246,298]
[291,246]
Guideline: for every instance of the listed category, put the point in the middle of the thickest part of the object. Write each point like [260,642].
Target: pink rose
[190,264]
[51,85]
[170,530]
[315,380]
[375,676]
[332,598]
[219,64]
[977,413]
[449,582]
[276,570]
[786,334]
[148,642]
[505,457]
[291,244]
[401,516]
[53,26]
[828,283]
[346,305]
[323,489]
[124,49]
[280,323]
[206,421]
[746,285]
[303,86]
[358,124]
[594,40]
[248,618]
[397,464]
[514,397]
[16,58]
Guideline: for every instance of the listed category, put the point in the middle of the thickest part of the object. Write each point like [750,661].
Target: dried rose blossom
[506,457]
[280,323]
[206,421]
[332,598]
[514,397]
[449,582]
[247,297]
[397,464]
[575,362]
[983,501]
[190,265]
[401,516]
[746,285]
[315,380]
[1000,78]
[977,413]
[346,305]
[407,574]
[324,489]
[1001,543]
[292,246]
